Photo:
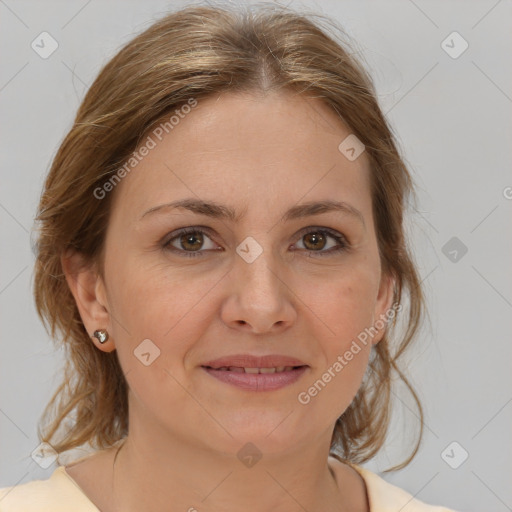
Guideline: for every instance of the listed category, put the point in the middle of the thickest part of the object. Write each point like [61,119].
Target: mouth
[257,379]
[238,369]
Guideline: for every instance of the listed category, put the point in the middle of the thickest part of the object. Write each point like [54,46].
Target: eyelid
[166,241]
[330,231]
[341,239]
[188,229]
[333,233]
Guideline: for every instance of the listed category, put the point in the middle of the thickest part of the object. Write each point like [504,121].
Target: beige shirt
[60,493]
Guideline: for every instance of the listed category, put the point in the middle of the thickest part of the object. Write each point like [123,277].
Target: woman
[221,250]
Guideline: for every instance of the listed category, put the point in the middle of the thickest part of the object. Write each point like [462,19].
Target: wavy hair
[197,52]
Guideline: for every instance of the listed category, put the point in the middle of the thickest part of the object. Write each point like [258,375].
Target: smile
[257,379]
[239,369]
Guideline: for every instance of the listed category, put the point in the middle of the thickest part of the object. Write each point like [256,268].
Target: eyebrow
[219,211]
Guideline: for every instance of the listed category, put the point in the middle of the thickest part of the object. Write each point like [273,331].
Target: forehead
[242,149]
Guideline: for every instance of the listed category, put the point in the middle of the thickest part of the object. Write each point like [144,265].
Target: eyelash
[194,230]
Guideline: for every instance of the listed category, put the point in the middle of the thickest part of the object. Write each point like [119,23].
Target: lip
[258,381]
[248,361]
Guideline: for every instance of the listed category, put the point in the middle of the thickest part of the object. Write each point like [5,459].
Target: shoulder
[59,493]
[386,497]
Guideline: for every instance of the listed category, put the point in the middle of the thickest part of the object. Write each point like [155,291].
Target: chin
[270,432]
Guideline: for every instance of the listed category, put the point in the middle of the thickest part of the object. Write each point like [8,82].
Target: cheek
[345,304]
[153,325]
[165,307]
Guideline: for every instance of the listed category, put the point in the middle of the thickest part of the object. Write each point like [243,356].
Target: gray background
[452,118]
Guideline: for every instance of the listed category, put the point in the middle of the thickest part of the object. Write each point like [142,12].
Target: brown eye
[192,241]
[314,240]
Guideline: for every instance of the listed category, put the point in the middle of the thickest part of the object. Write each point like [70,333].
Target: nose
[259,298]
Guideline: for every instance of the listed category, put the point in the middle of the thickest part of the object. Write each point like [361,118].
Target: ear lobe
[87,288]
[383,306]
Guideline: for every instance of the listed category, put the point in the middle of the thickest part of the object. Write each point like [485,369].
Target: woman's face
[262,284]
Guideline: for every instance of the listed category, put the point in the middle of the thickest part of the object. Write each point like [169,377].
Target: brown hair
[194,53]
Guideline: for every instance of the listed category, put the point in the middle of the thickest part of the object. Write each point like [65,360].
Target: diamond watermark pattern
[249,455]
[454,249]
[351,147]
[249,249]
[454,455]
[146,352]
[454,45]
[44,45]
[44,455]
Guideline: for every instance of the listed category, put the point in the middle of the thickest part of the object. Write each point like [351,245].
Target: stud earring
[101,335]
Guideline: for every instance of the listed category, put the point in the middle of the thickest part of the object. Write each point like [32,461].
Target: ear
[383,307]
[89,292]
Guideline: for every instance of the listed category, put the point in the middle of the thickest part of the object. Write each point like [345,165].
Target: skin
[259,155]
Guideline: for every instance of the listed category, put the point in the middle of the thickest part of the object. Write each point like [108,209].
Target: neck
[178,477]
